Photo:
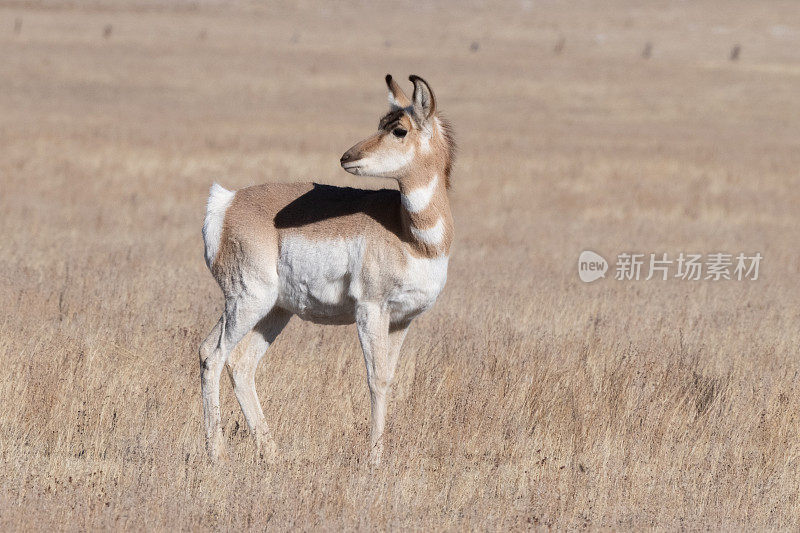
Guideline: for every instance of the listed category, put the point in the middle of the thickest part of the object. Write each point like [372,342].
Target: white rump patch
[219,199]
[432,236]
[418,199]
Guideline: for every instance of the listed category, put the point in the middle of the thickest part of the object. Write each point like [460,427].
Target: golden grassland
[525,397]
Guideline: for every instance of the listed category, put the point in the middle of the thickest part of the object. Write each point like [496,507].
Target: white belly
[324,281]
[316,278]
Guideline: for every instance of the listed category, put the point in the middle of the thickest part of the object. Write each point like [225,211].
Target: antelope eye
[399,132]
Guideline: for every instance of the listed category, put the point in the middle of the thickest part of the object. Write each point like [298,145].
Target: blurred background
[525,397]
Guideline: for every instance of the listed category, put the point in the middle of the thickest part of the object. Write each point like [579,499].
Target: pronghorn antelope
[332,255]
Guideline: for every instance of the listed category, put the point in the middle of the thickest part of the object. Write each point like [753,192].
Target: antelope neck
[427,221]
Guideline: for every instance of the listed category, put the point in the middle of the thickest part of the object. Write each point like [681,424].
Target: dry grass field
[525,398]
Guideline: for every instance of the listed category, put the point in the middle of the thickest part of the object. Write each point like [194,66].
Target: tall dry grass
[525,398]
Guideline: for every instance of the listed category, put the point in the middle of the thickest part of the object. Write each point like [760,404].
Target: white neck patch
[418,199]
[432,236]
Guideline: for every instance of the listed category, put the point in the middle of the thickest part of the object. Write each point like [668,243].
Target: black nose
[346,157]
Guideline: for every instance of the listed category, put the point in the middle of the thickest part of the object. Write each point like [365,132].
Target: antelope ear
[424,101]
[397,98]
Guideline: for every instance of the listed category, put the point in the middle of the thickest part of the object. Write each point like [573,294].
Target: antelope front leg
[373,331]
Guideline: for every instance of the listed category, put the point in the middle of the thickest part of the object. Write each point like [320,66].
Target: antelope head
[409,136]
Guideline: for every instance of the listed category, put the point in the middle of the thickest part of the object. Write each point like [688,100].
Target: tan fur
[334,255]
[261,215]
